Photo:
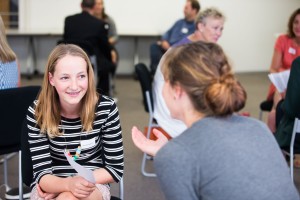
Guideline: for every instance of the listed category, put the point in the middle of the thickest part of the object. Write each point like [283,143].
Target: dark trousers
[105,70]
[156,52]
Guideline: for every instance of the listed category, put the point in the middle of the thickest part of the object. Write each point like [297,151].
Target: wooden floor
[132,113]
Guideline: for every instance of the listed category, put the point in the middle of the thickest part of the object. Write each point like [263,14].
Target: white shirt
[161,112]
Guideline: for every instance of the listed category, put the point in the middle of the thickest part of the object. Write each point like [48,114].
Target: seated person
[179,30]
[70,117]
[204,22]
[85,27]
[221,155]
[291,109]
[286,49]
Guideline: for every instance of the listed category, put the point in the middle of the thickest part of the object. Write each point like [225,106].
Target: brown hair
[195,5]
[6,53]
[47,110]
[290,31]
[203,71]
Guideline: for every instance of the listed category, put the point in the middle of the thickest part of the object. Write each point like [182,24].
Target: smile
[73,93]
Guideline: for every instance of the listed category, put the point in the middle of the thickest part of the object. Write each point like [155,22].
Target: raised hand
[148,146]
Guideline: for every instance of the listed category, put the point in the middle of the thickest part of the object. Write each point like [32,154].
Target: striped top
[48,154]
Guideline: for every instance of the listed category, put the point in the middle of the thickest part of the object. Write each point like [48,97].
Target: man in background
[85,28]
[178,31]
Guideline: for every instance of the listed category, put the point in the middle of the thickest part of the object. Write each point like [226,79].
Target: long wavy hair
[48,109]
[6,53]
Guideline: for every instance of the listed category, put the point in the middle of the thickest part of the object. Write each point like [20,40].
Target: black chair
[14,103]
[145,79]
[265,106]
[26,163]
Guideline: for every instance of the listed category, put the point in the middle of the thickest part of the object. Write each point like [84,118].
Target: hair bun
[225,96]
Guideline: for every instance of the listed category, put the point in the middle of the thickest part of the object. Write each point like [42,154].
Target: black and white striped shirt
[48,154]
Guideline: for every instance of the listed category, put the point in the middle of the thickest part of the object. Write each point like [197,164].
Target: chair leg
[7,188]
[20,176]
[143,170]
[121,189]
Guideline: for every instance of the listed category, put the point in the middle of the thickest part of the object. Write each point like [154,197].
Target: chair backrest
[145,79]
[14,103]
[27,170]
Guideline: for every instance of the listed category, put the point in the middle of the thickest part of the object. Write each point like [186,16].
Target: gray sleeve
[176,173]
[112,33]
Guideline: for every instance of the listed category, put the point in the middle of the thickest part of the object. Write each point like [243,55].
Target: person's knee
[66,196]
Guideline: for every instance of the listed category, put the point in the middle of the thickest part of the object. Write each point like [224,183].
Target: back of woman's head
[208,13]
[292,18]
[203,71]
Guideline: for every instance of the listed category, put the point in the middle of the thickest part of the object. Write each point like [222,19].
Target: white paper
[280,80]
[83,172]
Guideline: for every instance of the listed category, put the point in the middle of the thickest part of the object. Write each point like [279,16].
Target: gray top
[224,158]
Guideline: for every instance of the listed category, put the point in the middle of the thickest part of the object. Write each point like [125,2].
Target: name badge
[184,30]
[292,51]
[85,144]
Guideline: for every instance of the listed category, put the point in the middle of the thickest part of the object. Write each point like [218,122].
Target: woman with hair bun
[220,155]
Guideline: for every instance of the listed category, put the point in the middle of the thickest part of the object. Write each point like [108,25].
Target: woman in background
[9,68]
[287,48]
[209,25]
[220,155]
[99,12]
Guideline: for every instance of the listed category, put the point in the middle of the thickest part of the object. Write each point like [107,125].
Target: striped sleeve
[112,140]
[39,148]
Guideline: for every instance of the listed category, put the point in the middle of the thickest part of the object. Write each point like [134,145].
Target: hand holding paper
[85,173]
[280,80]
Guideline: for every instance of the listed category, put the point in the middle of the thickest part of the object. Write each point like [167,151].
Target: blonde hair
[6,53]
[47,110]
[207,13]
[203,71]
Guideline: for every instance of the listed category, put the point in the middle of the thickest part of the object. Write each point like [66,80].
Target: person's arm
[146,145]
[276,61]
[112,142]
[278,54]
[112,33]
[77,185]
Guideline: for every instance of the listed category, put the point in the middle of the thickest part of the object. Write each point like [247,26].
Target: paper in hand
[280,80]
[83,172]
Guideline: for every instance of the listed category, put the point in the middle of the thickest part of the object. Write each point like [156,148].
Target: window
[9,10]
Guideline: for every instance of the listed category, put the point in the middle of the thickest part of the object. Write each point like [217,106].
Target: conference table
[34,45]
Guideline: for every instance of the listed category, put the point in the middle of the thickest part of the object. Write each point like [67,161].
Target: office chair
[14,103]
[26,163]
[145,79]
[265,106]
[296,130]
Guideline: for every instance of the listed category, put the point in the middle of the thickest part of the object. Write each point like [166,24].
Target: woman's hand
[148,146]
[80,187]
[45,195]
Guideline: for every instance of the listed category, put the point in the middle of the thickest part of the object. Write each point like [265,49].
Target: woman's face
[98,7]
[212,29]
[70,80]
[296,26]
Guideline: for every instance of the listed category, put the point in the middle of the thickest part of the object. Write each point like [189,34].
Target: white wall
[248,37]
